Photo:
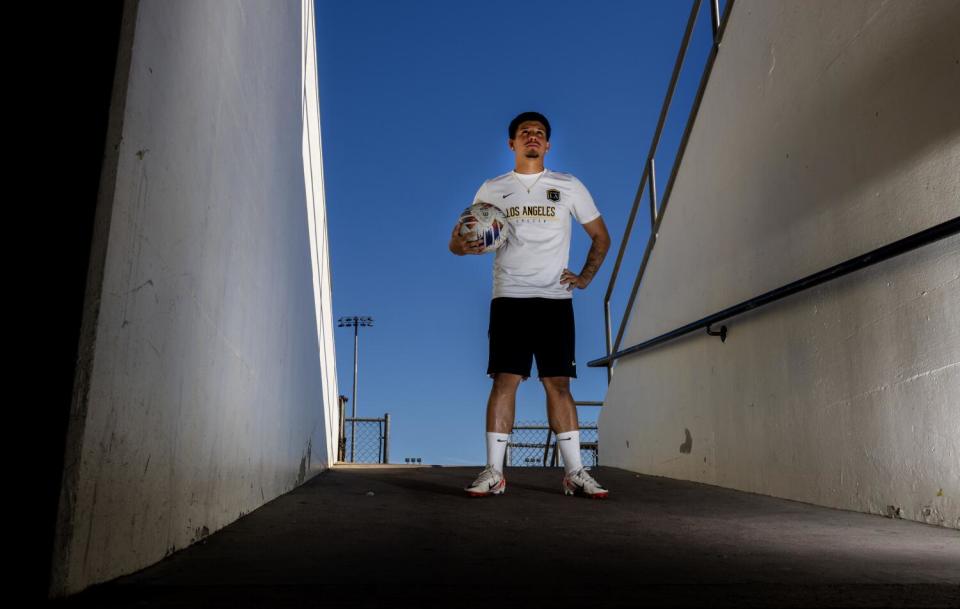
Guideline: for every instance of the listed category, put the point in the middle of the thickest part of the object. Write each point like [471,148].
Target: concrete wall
[206,385]
[827,129]
[317,224]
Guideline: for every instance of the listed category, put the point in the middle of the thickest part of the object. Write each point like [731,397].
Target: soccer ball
[485,221]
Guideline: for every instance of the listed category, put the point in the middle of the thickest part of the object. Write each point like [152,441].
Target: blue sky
[415,98]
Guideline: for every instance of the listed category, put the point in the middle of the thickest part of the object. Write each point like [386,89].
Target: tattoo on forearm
[598,251]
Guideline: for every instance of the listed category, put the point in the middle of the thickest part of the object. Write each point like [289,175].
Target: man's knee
[503,381]
[558,385]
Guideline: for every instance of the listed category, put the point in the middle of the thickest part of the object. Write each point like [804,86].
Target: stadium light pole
[354,322]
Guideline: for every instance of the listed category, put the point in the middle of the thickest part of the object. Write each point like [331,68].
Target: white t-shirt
[531,265]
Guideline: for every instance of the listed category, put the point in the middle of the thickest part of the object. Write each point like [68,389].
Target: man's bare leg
[561,410]
[500,412]
[502,404]
[562,413]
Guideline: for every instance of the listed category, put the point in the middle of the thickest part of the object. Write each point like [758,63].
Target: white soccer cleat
[489,482]
[581,482]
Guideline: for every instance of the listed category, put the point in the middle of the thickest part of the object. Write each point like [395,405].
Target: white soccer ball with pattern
[487,222]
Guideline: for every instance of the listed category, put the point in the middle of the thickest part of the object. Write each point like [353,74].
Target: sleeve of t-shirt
[481,194]
[583,208]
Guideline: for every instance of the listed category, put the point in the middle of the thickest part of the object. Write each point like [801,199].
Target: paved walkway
[400,536]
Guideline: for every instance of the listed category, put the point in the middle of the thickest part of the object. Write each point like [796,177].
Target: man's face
[530,141]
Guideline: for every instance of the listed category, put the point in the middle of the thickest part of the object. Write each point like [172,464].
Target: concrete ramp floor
[409,537]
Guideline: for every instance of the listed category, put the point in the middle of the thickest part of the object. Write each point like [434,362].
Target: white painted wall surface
[317,223]
[210,385]
[827,129]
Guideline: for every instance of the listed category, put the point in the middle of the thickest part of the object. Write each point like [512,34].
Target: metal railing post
[653,193]
[606,326]
[715,20]
[546,445]
[341,435]
[386,438]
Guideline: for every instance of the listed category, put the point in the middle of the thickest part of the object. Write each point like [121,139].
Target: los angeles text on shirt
[531,211]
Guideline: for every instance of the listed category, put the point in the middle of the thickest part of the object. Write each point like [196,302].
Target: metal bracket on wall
[722,333]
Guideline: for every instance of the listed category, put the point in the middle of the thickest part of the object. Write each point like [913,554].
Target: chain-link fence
[532,444]
[364,440]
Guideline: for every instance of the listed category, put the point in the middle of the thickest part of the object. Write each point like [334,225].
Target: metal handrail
[648,178]
[547,427]
[935,233]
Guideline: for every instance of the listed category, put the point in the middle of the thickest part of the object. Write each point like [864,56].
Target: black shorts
[522,329]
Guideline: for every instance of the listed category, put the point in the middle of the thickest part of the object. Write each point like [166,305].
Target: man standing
[531,314]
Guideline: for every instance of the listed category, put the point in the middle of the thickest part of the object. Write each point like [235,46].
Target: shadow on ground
[401,536]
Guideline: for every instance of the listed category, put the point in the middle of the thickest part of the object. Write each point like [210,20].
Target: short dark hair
[528,116]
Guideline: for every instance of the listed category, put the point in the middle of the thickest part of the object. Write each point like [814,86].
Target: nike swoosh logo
[499,440]
[505,196]
[564,439]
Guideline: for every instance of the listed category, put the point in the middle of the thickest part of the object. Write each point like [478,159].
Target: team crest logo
[553,194]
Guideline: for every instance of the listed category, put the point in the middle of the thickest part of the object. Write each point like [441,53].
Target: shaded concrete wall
[827,129]
[205,383]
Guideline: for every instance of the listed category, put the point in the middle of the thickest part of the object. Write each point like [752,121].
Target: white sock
[496,449]
[569,444]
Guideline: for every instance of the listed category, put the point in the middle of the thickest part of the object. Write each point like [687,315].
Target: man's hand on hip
[568,278]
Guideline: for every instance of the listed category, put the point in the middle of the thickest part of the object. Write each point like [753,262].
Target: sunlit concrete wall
[827,129]
[206,382]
